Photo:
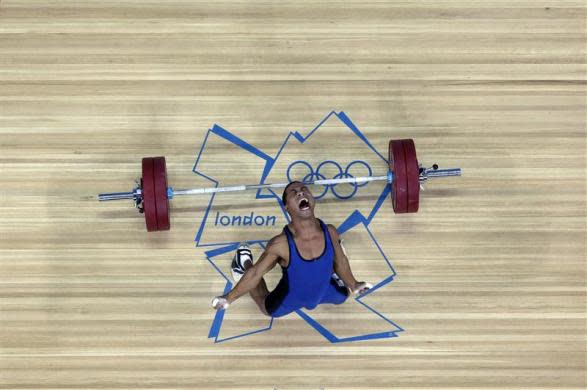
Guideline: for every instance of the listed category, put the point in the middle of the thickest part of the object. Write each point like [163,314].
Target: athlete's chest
[312,247]
[308,246]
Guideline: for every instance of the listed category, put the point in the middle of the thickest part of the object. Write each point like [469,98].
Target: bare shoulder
[332,230]
[278,245]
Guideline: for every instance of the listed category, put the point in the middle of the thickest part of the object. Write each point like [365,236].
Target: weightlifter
[313,262]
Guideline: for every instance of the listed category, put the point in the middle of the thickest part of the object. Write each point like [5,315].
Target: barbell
[404,176]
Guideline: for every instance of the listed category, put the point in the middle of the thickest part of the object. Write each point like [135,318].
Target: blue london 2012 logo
[255,217]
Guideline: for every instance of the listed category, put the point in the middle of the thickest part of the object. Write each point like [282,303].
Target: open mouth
[304,204]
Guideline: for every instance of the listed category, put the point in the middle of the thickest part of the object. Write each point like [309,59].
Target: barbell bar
[405,177]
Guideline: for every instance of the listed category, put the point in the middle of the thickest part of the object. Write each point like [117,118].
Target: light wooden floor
[490,285]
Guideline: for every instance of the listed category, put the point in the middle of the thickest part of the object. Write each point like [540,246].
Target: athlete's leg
[335,294]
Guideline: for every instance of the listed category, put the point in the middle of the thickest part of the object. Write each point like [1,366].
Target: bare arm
[342,266]
[253,275]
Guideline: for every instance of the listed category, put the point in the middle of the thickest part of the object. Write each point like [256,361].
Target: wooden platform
[491,274]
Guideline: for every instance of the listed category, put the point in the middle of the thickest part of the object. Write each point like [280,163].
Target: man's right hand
[361,288]
[220,303]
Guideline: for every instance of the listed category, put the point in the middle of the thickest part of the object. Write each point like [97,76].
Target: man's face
[299,201]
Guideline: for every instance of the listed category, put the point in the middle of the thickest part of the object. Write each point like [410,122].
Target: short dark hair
[284,194]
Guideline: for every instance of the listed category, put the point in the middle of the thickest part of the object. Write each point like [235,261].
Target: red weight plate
[399,186]
[148,190]
[413,175]
[161,200]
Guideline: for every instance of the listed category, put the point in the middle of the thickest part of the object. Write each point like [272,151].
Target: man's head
[298,200]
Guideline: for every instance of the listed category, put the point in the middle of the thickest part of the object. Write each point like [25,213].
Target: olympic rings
[312,175]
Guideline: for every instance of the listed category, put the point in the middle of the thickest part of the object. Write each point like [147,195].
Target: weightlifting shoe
[238,266]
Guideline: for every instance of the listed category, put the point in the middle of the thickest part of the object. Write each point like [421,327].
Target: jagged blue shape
[334,339]
[354,219]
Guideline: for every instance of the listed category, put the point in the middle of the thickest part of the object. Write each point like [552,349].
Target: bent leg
[335,294]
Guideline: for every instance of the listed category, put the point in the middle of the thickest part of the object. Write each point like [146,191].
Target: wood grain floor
[490,285]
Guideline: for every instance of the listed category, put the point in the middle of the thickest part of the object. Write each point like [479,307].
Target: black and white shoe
[241,257]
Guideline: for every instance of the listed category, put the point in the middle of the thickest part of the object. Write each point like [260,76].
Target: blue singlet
[306,283]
